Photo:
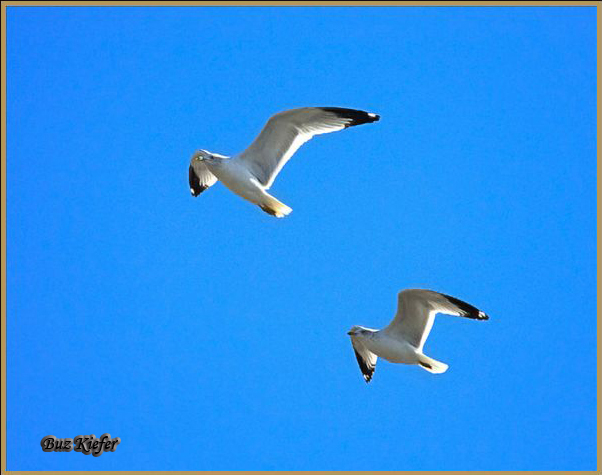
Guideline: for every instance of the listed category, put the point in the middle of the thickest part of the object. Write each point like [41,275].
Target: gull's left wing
[199,177]
[365,358]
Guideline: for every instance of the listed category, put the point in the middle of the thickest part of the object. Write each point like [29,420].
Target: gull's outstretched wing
[199,177]
[365,358]
[416,310]
[286,131]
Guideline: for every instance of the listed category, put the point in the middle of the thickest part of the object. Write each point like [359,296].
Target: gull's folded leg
[431,365]
[274,207]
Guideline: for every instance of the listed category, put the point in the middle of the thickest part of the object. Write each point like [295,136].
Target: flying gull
[402,341]
[252,172]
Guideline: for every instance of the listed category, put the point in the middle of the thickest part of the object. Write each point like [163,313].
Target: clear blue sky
[207,334]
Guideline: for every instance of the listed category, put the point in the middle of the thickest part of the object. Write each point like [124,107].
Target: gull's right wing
[286,131]
[416,310]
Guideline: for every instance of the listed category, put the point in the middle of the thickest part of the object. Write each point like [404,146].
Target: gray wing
[365,358]
[416,310]
[286,131]
[199,177]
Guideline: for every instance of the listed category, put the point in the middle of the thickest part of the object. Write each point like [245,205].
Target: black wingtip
[468,310]
[195,184]
[356,117]
[367,371]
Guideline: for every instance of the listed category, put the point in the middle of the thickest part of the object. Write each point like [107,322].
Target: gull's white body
[238,179]
[403,339]
[252,172]
[235,174]
[391,349]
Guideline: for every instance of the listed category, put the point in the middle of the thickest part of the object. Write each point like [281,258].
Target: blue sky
[208,335]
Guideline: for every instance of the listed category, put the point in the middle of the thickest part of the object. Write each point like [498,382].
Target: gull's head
[358,331]
[201,155]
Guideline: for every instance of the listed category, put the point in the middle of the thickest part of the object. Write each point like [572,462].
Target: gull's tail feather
[431,365]
[274,207]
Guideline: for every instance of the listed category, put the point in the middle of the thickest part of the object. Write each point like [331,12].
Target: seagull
[402,341]
[252,172]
